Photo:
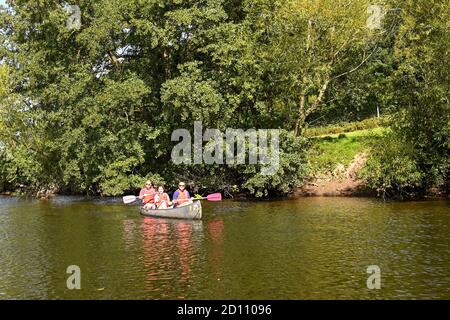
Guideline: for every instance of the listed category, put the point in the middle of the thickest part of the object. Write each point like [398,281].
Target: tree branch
[358,66]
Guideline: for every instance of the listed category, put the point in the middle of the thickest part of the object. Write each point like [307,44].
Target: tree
[422,84]
[311,44]
[416,155]
[98,103]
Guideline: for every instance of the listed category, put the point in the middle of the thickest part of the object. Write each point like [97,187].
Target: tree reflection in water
[215,233]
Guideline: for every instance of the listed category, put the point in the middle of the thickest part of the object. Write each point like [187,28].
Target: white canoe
[191,211]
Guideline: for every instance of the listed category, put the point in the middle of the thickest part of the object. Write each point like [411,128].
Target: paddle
[131,199]
[211,197]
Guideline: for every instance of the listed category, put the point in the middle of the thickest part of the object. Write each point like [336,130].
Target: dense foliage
[92,110]
[416,156]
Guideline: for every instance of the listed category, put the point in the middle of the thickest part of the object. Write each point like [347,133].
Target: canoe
[191,211]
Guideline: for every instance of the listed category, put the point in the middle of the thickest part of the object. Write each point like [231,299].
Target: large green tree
[96,104]
[310,45]
[422,83]
[416,154]
[90,107]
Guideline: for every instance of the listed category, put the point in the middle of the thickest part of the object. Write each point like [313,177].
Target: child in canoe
[162,200]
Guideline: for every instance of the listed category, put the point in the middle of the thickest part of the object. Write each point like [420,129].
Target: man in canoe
[162,200]
[181,196]
[147,195]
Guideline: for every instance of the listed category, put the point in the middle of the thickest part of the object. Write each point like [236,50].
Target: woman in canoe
[162,200]
[147,195]
[181,196]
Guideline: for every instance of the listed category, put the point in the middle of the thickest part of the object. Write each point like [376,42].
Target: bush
[391,168]
[5,171]
[247,178]
[291,171]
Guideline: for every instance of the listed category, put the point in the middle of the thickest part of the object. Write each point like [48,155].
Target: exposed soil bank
[342,181]
[347,188]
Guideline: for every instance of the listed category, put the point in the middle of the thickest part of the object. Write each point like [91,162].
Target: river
[308,248]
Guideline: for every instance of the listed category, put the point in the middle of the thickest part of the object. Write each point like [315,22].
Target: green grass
[330,150]
[358,134]
[345,127]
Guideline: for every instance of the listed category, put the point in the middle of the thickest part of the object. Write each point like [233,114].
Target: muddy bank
[341,182]
[335,189]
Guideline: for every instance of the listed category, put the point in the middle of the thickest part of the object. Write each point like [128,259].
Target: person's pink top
[146,191]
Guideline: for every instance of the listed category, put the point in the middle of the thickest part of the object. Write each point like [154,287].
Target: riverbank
[342,181]
[335,161]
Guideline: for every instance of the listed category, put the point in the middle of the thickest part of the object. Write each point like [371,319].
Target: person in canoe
[147,195]
[162,200]
[181,196]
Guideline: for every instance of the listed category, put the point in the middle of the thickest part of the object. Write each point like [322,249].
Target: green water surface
[311,248]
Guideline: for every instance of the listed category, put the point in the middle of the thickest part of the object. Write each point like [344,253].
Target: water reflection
[184,249]
[315,248]
[169,250]
[129,227]
[215,233]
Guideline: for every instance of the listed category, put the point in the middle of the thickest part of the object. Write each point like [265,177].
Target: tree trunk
[319,99]
[301,116]
[308,39]
[303,112]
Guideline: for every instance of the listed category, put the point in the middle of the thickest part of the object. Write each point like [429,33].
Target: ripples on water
[312,248]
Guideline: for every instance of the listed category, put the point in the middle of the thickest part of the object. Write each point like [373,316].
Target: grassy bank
[347,127]
[335,159]
[330,151]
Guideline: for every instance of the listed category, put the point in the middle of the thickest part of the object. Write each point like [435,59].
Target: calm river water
[311,248]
